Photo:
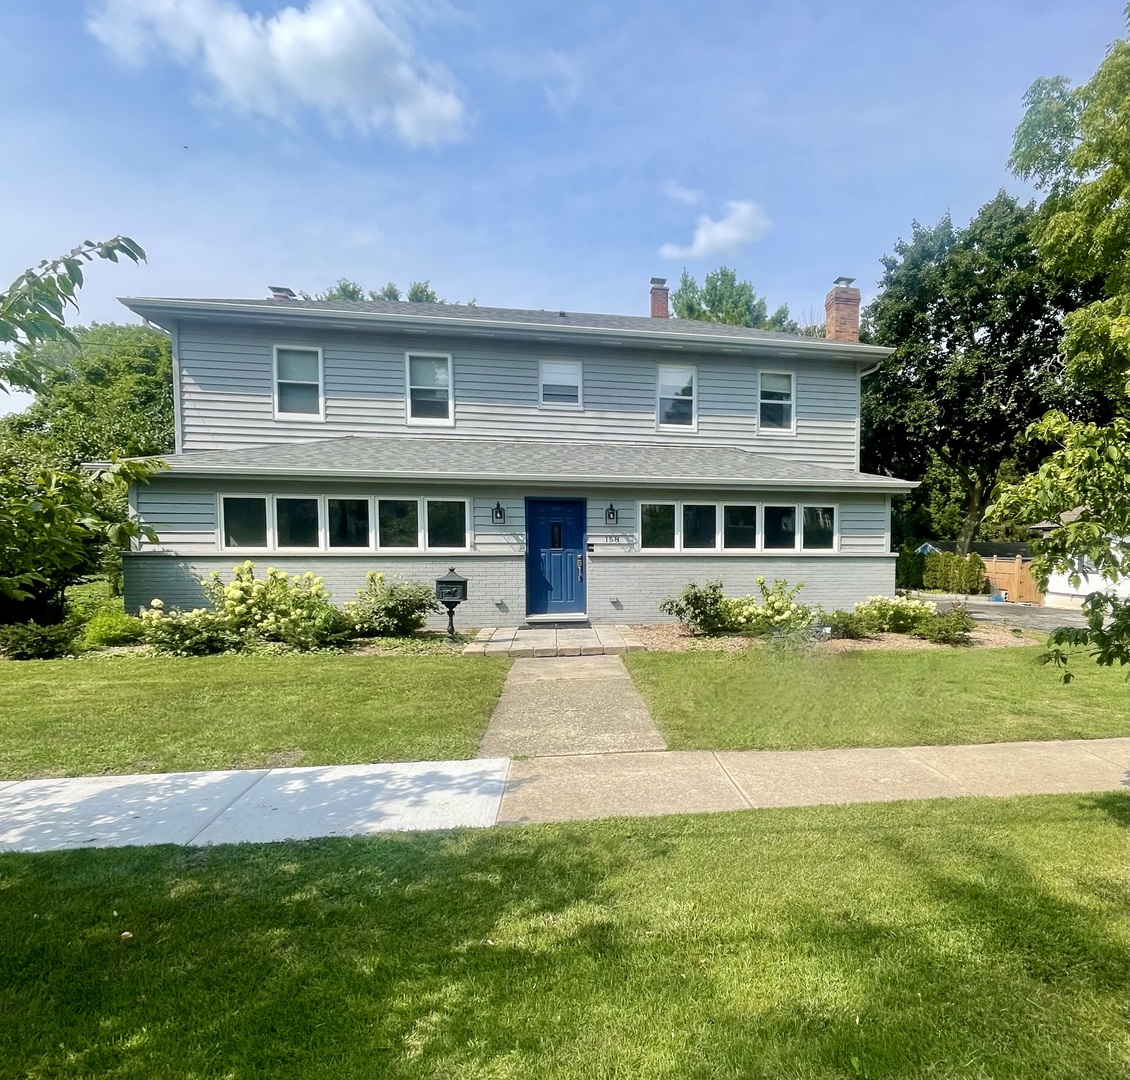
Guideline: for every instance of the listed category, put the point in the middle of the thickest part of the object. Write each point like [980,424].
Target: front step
[541,640]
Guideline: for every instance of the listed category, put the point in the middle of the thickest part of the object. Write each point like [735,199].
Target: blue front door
[556,563]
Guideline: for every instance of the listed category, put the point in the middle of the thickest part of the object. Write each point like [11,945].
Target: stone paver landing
[528,641]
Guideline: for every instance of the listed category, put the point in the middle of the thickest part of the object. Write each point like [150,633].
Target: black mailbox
[451,591]
[451,588]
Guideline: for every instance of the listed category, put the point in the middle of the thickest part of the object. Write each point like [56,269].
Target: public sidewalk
[298,803]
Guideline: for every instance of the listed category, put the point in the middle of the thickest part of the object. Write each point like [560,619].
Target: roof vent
[562,314]
[844,282]
[281,292]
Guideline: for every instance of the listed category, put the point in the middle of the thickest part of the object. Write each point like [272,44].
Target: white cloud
[350,60]
[677,193]
[743,223]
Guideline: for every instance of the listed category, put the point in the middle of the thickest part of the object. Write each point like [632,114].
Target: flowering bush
[199,632]
[706,610]
[294,610]
[773,611]
[390,609]
[894,614]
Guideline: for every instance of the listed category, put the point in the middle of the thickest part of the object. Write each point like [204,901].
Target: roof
[519,322]
[525,460]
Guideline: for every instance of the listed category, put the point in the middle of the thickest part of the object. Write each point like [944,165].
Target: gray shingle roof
[527,460]
[463,315]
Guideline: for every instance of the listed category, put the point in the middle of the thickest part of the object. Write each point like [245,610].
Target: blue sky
[527,154]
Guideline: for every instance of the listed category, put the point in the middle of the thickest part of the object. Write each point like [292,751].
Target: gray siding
[226,393]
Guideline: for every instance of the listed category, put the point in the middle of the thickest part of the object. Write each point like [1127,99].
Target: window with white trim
[447,523]
[296,522]
[244,521]
[780,528]
[298,381]
[675,396]
[398,523]
[657,525]
[818,528]
[347,523]
[560,382]
[429,388]
[775,404]
[739,527]
[700,526]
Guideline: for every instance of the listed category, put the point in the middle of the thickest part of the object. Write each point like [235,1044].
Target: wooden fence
[1013,576]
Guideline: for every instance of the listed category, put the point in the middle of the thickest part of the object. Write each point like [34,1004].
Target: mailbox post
[451,591]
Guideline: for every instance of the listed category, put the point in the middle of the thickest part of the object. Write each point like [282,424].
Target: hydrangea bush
[390,609]
[705,609]
[895,614]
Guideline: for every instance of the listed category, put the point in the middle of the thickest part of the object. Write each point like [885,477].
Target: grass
[154,714]
[953,938]
[781,700]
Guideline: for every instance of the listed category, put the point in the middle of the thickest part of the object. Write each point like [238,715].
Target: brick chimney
[659,298]
[841,311]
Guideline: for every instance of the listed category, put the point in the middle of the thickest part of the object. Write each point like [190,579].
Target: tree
[724,299]
[975,321]
[108,392]
[33,308]
[419,292]
[1073,143]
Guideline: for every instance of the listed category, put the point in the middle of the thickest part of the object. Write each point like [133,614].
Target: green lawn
[781,700]
[971,938]
[152,714]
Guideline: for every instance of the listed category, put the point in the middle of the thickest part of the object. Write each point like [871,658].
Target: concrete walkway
[528,641]
[277,804]
[569,705]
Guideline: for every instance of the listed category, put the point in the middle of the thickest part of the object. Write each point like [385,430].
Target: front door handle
[580,568]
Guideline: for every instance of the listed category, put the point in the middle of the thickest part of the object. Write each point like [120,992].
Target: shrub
[773,611]
[112,628]
[390,609]
[294,610]
[702,609]
[846,624]
[971,575]
[894,614]
[947,628]
[200,632]
[30,641]
[932,571]
[910,568]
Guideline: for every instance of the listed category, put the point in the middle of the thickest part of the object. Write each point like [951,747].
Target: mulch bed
[670,637]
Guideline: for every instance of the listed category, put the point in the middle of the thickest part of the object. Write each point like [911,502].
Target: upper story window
[429,389]
[298,382]
[675,393]
[775,408]
[561,383]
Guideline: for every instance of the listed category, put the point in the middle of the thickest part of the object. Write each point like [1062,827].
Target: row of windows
[280,522]
[736,527]
[429,379]
[299,522]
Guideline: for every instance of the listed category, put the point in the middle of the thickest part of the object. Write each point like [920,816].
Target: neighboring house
[1060,592]
[571,466]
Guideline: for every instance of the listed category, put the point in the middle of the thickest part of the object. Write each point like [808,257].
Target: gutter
[145,307]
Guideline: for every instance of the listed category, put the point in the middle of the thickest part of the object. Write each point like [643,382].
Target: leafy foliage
[391,609]
[848,625]
[946,627]
[702,609]
[419,292]
[30,641]
[112,628]
[199,632]
[951,572]
[33,307]
[724,299]
[975,320]
[895,614]
[55,525]
[705,609]
[1073,144]
[108,390]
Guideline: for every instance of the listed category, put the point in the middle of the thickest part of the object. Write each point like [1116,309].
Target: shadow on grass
[915,939]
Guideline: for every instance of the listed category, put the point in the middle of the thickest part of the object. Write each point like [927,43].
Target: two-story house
[571,466]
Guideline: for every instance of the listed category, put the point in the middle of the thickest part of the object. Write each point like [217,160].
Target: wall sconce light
[498,514]
[610,515]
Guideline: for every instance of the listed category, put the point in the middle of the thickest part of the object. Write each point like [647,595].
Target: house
[1061,592]
[571,466]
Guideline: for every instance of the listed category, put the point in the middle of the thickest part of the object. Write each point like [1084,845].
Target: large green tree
[723,299]
[55,523]
[419,292]
[975,320]
[1075,144]
[107,391]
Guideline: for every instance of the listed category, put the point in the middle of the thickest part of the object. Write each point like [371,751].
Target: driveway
[1042,619]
